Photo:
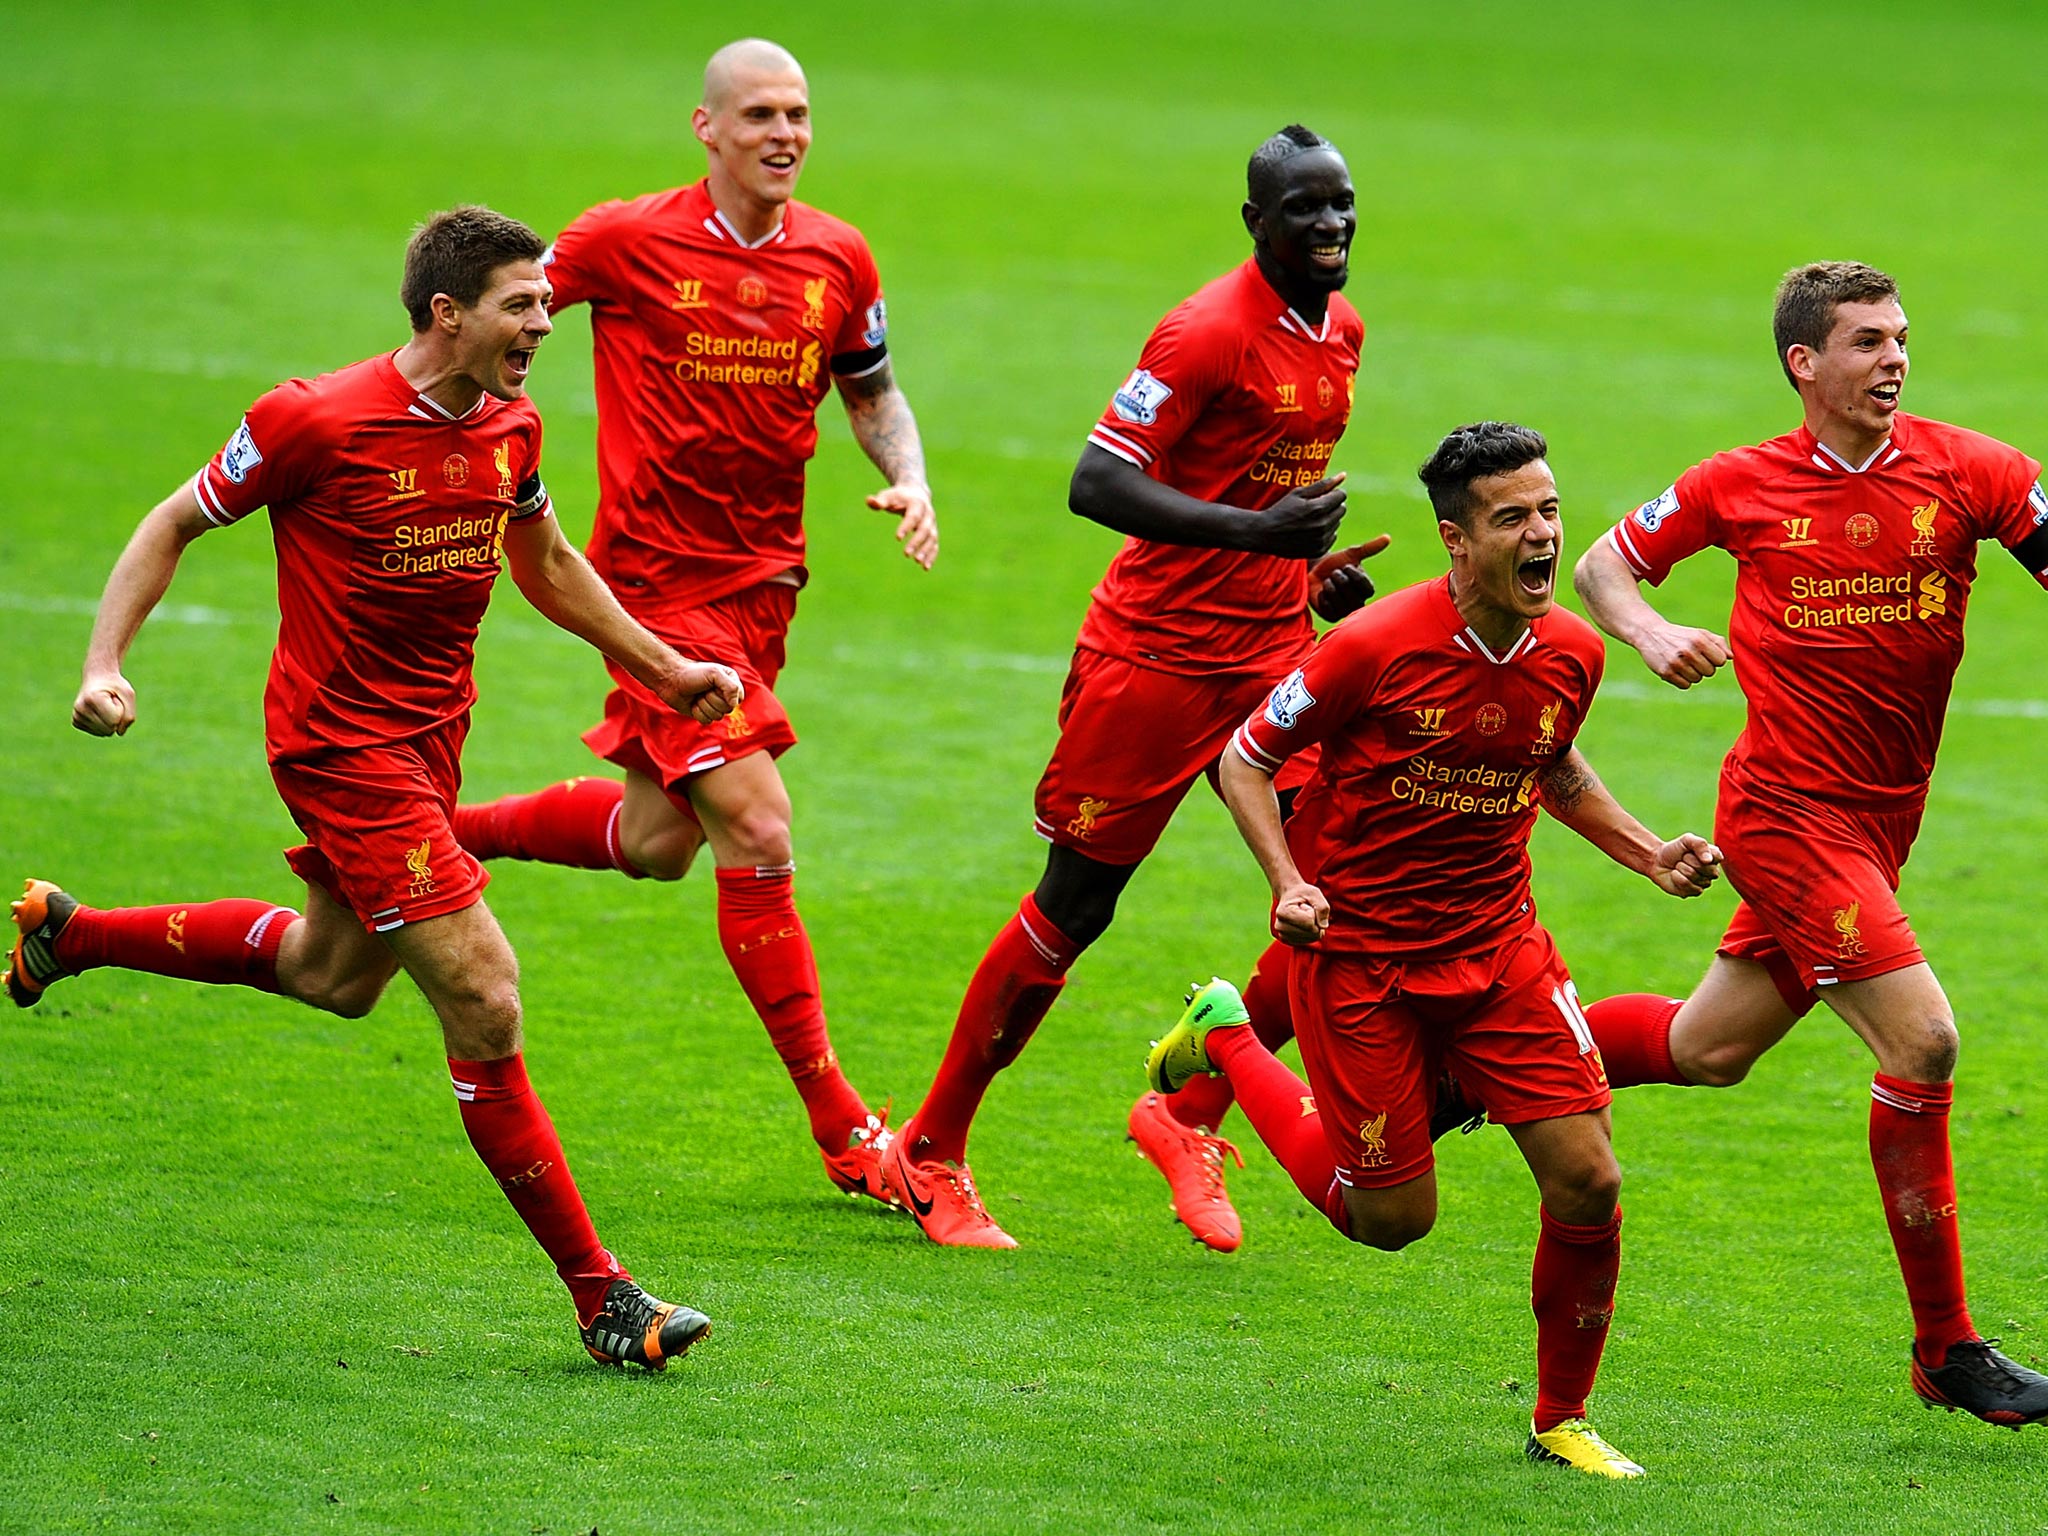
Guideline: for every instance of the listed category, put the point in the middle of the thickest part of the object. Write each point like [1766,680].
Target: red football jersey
[1416,824]
[1236,399]
[711,358]
[389,517]
[1851,582]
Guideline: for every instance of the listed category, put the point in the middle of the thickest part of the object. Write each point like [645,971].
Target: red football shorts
[746,631]
[1819,887]
[1133,740]
[1376,1034]
[376,821]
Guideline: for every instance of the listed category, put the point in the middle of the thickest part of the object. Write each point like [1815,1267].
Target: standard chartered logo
[1471,791]
[764,362]
[1867,597]
[445,546]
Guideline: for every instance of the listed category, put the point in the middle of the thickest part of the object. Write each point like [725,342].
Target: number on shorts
[1567,999]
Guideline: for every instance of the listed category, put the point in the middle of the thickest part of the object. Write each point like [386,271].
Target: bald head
[749,57]
[755,126]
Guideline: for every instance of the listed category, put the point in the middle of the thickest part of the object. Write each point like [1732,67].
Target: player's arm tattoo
[883,424]
[1566,783]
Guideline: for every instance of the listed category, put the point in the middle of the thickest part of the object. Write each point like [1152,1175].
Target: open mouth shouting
[1537,575]
[519,362]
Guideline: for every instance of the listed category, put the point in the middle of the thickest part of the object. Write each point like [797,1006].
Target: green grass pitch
[251,1278]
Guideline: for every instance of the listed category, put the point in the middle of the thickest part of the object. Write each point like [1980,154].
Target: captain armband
[530,499]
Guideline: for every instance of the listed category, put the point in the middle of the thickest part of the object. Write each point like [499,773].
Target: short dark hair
[1473,453]
[456,252]
[1809,296]
[1262,182]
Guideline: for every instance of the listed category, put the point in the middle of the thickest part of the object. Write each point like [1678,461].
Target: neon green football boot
[1184,1054]
[1576,1444]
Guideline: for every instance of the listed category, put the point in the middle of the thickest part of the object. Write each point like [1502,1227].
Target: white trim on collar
[1854,469]
[1290,321]
[1524,643]
[721,226]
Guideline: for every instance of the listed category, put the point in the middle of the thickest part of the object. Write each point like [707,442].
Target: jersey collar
[1883,456]
[425,407]
[720,228]
[1466,638]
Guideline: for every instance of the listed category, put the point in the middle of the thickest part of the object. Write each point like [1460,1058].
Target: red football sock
[1572,1292]
[1909,1149]
[1268,999]
[770,953]
[1283,1112]
[575,824]
[1633,1033]
[512,1134]
[233,941]
[1012,989]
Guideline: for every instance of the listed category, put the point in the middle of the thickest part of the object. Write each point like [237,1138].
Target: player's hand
[1301,525]
[1300,914]
[703,690]
[917,526]
[1686,865]
[1338,585]
[1683,656]
[105,705]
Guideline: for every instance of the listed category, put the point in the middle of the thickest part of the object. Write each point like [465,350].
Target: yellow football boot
[1576,1444]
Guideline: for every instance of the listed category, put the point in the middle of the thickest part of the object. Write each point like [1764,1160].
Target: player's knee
[759,835]
[1720,1065]
[347,995]
[1390,1232]
[663,858]
[1927,1053]
[1586,1195]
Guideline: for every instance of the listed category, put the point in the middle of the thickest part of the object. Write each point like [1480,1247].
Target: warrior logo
[1083,824]
[1428,722]
[1286,398]
[405,484]
[418,866]
[689,295]
[1852,937]
[1923,528]
[1798,533]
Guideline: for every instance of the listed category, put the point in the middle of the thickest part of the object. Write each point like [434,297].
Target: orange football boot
[858,1170]
[40,916]
[1193,1164]
[941,1197]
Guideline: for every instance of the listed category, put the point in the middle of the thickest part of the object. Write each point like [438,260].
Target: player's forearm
[553,576]
[1573,793]
[1613,596]
[1120,496]
[140,578]
[886,429]
[1248,791]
